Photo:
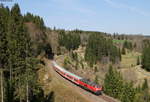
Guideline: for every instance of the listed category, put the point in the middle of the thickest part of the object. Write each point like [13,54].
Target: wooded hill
[18,57]
[23,38]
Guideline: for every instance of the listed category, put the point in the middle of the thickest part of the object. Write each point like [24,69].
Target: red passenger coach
[70,76]
[86,84]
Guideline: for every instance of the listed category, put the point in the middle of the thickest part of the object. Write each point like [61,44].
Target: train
[82,82]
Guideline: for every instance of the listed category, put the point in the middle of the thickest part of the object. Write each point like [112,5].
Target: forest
[70,40]
[101,49]
[115,86]
[18,61]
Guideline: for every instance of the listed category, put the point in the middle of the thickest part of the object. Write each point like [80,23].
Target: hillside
[128,67]
[64,90]
[120,63]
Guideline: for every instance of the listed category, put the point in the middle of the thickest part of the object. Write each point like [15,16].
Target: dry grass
[129,60]
[62,92]
[131,71]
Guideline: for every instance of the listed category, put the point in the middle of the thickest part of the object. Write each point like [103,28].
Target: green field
[119,41]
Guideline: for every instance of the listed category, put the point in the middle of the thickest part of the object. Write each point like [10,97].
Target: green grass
[118,41]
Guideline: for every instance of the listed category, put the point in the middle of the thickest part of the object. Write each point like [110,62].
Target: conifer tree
[128,93]
[101,49]
[123,51]
[113,83]
[145,85]
[22,63]
[138,60]
[2,40]
[96,79]
[2,51]
[18,64]
[117,88]
[70,41]
[128,45]
[146,58]
[143,95]
[13,51]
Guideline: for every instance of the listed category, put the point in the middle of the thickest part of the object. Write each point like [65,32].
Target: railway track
[100,98]
[107,99]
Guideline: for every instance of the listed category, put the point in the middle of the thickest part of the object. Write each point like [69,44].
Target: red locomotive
[85,83]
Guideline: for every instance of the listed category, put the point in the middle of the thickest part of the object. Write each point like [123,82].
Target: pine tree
[4,15]
[120,57]
[117,88]
[113,83]
[13,54]
[70,41]
[145,85]
[138,60]
[96,79]
[3,46]
[143,95]
[22,63]
[128,45]
[128,93]
[18,64]
[101,49]
[123,51]
[146,58]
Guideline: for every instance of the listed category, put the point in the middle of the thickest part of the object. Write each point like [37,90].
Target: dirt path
[88,96]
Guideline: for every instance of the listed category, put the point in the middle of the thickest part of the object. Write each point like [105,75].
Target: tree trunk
[10,78]
[10,71]
[19,90]
[27,94]
[2,91]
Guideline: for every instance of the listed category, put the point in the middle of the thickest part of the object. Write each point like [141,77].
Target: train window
[85,81]
[96,86]
[69,76]
[75,79]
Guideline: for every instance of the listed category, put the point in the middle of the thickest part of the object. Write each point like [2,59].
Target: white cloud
[130,8]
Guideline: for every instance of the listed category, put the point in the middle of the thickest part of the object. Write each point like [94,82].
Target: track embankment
[85,94]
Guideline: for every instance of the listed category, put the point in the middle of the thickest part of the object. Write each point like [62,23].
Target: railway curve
[87,95]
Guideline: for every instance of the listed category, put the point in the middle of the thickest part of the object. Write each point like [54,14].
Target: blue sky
[122,16]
